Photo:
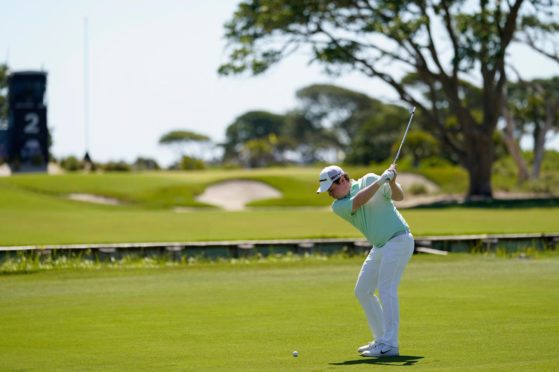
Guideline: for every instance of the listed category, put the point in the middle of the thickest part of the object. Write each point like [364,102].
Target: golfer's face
[338,189]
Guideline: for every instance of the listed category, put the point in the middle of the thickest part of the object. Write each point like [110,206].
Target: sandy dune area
[89,198]
[234,195]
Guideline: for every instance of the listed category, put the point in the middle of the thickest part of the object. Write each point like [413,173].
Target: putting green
[459,312]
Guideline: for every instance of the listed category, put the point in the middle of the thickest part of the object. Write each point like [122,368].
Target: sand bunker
[234,195]
[93,199]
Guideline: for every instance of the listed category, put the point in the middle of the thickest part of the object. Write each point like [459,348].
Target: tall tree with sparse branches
[444,42]
[185,141]
[541,34]
[534,107]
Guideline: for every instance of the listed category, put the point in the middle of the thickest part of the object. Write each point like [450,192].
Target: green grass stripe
[34,210]
[71,223]
[459,312]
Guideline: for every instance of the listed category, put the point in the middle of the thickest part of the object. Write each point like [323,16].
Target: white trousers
[383,269]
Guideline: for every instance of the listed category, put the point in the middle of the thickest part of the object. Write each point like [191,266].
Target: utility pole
[87,158]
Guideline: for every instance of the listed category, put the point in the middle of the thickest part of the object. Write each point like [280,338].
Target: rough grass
[459,312]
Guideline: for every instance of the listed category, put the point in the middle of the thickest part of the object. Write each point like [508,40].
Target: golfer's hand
[397,192]
[393,169]
[387,175]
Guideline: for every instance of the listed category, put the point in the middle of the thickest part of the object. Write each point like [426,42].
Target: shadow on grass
[397,361]
[493,203]
[19,272]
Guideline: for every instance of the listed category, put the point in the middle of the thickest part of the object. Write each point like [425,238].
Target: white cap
[327,176]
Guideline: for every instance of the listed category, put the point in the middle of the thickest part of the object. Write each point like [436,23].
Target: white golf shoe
[369,346]
[381,350]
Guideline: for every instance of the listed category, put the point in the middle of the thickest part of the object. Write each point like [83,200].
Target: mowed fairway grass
[91,225]
[34,209]
[459,312]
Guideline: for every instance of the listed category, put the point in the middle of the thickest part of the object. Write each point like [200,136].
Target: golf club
[412,111]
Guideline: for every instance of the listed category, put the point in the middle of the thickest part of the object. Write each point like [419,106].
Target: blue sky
[152,68]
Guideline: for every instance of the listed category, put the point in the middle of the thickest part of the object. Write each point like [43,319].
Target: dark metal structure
[24,140]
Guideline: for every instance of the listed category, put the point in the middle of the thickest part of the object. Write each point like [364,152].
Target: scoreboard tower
[24,140]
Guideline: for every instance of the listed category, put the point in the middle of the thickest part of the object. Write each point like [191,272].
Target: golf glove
[387,175]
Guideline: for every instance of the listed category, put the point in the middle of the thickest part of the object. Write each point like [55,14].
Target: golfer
[367,205]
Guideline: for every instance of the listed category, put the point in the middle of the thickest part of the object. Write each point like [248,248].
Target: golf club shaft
[405,134]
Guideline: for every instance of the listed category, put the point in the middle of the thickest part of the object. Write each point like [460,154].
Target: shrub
[71,164]
[142,164]
[117,166]
[435,161]
[546,184]
[417,189]
[190,163]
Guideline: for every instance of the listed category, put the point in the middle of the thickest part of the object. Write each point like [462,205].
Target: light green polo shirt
[378,219]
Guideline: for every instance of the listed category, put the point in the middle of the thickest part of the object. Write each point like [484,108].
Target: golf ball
[295,354]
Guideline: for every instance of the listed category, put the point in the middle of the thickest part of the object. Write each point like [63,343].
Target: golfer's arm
[364,195]
[397,192]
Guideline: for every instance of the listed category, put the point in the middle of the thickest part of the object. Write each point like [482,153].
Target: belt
[399,233]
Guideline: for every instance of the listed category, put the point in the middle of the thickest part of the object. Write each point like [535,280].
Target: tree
[185,142]
[145,164]
[259,152]
[380,129]
[253,125]
[534,107]
[421,145]
[308,140]
[443,42]
[511,137]
[543,37]
[363,128]
[330,106]
[541,34]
